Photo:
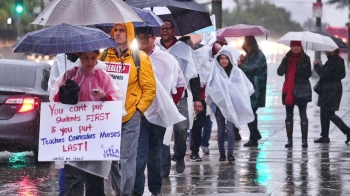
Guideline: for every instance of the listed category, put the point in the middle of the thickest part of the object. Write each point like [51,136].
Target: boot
[347,136]
[289,130]
[237,135]
[304,130]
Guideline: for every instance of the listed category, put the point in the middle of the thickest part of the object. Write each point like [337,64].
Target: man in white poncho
[159,115]
[230,91]
[184,56]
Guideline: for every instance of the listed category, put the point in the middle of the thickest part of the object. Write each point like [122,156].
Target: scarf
[290,78]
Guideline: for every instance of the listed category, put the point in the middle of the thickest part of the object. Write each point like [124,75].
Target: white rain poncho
[184,55]
[163,111]
[230,94]
[87,81]
[204,65]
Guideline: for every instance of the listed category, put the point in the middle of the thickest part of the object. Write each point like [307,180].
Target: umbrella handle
[65,65]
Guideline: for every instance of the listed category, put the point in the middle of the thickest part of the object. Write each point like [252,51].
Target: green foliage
[341,4]
[277,20]
[7,9]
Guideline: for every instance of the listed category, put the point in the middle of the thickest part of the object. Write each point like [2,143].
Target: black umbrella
[338,41]
[188,15]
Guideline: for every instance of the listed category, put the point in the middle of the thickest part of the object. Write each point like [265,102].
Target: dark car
[23,86]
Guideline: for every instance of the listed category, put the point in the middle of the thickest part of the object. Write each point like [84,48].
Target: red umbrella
[241,30]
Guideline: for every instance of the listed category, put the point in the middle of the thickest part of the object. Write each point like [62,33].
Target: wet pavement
[269,169]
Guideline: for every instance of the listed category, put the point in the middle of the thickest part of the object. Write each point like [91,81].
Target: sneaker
[205,150]
[222,157]
[230,157]
[251,143]
[322,140]
[195,158]
[180,166]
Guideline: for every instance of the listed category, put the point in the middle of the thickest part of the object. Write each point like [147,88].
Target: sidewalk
[271,169]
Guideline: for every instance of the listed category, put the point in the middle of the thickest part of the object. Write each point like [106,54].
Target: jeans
[326,117]
[75,180]
[208,124]
[61,182]
[253,127]
[180,134]
[196,131]
[123,172]
[149,152]
[220,119]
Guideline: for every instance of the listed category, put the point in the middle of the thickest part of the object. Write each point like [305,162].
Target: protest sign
[87,131]
[120,75]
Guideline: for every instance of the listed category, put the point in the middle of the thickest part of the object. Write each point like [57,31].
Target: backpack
[135,57]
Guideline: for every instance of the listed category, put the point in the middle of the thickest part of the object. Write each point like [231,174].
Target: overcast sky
[302,9]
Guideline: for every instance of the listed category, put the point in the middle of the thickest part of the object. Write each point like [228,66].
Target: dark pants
[208,124]
[196,132]
[326,117]
[253,127]
[61,182]
[149,152]
[180,134]
[302,112]
[75,180]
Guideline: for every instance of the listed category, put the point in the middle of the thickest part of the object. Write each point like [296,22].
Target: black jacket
[302,85]
[331,75]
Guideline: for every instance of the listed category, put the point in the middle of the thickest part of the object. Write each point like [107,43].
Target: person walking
[88,74]
[228,93]
[296,67]
[330,89]
[254,65]
[149,151]
[141,90]
[184,55]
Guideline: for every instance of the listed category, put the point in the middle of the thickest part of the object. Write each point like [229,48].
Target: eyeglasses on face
[143,38]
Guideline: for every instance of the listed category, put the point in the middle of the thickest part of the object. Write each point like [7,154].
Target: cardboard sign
[120,75]
[87,131]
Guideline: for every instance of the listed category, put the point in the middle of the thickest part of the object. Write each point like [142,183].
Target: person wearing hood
[141,90]
[329,89]
[185,57]
[228,93]
[169,77]
[89,74]
[296,67]
[254,65]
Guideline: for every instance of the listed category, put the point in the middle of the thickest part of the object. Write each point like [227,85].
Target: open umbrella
[338,41]
[309,40]
[241,30]
[86,12]
[63,38]
[188,16]
[148,17]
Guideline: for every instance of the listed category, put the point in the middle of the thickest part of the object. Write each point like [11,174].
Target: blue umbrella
[63,38]
[149,18]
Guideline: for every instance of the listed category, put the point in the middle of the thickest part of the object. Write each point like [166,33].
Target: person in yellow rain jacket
[141,90]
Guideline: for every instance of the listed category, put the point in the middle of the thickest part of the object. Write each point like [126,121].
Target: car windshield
[17,76]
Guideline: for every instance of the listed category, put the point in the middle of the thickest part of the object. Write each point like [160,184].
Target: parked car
[23,87]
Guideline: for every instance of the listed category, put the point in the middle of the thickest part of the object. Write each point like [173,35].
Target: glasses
[143,38]
[165,28]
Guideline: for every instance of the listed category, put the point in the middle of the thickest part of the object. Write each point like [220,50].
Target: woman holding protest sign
[89,82]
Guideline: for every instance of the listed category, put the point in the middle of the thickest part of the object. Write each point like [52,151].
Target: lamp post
[9,21]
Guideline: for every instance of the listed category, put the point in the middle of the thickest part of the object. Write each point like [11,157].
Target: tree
[309,25]
[341,4]
[276,19]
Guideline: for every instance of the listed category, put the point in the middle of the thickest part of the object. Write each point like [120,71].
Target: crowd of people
[232,85]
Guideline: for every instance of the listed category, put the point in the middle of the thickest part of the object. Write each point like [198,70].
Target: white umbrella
[86,12]
[309,40]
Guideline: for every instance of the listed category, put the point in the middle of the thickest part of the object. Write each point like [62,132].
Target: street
[269,169]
